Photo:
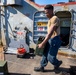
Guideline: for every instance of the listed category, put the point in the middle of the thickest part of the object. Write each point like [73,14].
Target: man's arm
[52,28]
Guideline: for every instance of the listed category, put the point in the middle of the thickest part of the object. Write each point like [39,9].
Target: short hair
[49,7]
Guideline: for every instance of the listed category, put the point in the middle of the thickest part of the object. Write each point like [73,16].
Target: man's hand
[40,45]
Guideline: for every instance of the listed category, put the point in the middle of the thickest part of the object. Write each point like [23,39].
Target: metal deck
[25,66]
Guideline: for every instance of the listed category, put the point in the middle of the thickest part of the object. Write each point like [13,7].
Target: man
[51,42]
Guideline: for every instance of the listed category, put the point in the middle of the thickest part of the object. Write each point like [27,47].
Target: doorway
[65,24]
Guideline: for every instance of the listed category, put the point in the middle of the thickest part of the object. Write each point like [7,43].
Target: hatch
[65,26]
[40,25]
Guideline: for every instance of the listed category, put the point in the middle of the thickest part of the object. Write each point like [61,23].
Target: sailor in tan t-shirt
[52,41]
[54,21]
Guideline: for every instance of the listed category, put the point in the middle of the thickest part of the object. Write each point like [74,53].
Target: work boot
[56,67]
[39,69]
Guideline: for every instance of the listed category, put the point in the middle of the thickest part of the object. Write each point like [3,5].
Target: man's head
[49,10]
[49,7]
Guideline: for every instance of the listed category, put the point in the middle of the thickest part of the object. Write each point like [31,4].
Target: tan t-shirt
[54,21]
